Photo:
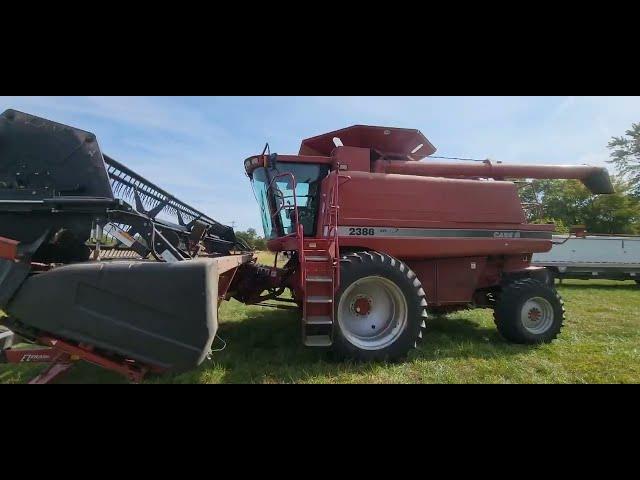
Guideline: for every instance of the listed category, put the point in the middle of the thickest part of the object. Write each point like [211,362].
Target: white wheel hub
[372,313]
[537,315]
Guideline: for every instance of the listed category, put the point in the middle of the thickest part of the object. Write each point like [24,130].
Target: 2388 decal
[361,231]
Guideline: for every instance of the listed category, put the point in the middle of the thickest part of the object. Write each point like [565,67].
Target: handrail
[330,221]
[299,233]
[336,248]
[295,197]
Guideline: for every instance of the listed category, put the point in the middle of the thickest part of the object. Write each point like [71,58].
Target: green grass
[600,343]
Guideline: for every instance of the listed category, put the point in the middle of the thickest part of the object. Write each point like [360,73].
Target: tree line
[568,202]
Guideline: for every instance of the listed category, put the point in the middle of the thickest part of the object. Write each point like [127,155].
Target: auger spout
[596,179]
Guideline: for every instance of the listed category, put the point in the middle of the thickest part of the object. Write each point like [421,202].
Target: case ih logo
[506,234]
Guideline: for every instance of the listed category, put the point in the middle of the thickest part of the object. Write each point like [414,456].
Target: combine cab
[97,262]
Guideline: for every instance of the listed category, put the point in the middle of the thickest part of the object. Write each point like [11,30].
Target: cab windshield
[281,196]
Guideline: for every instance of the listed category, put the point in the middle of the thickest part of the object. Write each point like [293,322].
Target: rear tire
[529,312]
[380,308]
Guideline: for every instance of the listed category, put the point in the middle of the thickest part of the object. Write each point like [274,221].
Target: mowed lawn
[600,343]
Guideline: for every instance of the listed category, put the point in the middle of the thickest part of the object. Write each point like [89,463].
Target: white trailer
[592,256]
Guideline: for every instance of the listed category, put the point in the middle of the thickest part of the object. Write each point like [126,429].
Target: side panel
[410,201]
[593,257]
[451,280]
[445,247]
[422,217]
[611,251]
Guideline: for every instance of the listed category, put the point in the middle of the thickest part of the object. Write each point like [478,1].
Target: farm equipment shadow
[266,348]
[614,286]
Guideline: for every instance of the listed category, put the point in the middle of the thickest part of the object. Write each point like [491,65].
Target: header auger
[378,237]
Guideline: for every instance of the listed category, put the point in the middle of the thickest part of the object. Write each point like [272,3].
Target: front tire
[529,312]
[380,308]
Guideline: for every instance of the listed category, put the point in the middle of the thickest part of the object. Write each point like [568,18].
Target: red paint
[362,306]
[376,182]
[60,355]
[352,159]
[31,355]
[386,141]
[410,201]
[485,170]
[534,314]
[8,249]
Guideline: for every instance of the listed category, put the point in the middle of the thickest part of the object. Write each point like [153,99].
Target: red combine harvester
[376,240]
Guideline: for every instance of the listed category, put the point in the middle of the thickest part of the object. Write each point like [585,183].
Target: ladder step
[316,258]
[319,279]
[318,299]
[318,341]
[318,320]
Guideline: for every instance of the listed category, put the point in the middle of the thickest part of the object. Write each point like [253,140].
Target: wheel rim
[372,313]
[537,315]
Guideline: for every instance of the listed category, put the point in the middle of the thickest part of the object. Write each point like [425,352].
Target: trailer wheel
[380,308]
[529,312]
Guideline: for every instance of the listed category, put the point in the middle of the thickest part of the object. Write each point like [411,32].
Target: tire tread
[383,262]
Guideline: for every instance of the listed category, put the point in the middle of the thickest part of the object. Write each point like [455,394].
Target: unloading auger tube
[596,179]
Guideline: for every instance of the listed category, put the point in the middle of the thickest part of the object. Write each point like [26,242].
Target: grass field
[600,343]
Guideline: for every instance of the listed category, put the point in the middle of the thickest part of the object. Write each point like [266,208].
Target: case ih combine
[377,235]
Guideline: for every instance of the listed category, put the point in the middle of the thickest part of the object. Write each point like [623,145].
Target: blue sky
[194,146]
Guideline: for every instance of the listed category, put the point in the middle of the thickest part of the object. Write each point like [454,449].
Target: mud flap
[161,314]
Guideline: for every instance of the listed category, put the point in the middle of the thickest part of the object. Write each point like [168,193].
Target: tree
[615,213]
[568,202]
[252,239]
[625,155]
